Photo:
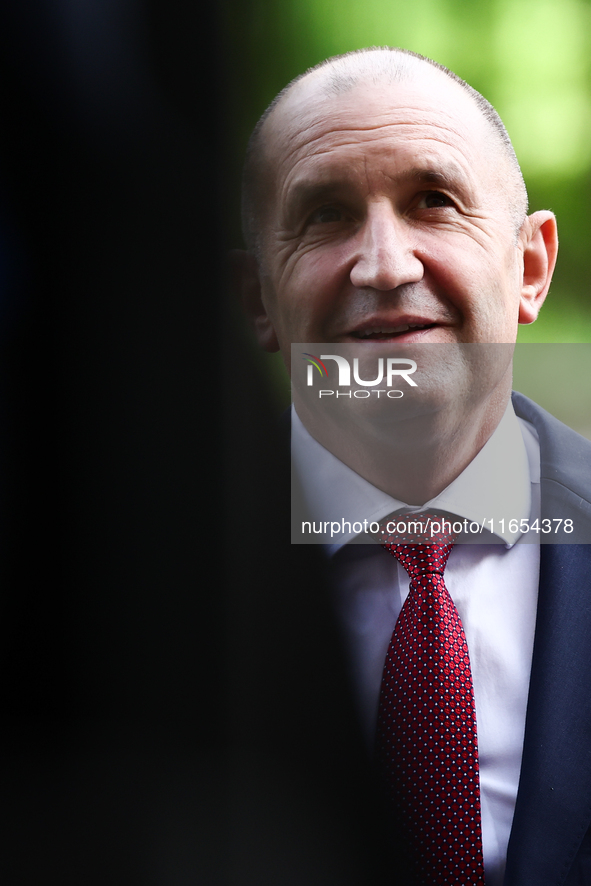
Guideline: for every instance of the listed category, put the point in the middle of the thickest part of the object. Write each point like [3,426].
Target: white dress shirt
[494,586]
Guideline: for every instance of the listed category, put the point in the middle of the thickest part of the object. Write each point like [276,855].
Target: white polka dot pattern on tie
[426,737]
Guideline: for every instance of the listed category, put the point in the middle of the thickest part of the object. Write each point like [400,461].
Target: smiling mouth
[386,333]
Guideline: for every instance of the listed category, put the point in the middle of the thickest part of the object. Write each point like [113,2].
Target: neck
[415,458]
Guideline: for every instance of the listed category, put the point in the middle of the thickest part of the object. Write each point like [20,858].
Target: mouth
[409,331]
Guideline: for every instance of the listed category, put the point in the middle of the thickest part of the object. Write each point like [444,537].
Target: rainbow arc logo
[317,362]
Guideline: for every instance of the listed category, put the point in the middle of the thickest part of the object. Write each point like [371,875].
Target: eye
[434,200]
[326,215]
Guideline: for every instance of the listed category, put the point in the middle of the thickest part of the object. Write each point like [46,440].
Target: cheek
[320,266]
[293,311]
[475,278]
[455,276]
[313,280]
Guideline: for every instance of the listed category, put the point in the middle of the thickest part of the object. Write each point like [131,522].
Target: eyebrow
[307,191]
[448,176]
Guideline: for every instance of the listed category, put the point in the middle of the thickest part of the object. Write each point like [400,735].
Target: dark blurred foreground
[112,741]
[172,712]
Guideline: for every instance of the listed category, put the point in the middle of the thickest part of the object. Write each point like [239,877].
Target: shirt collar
[495,486]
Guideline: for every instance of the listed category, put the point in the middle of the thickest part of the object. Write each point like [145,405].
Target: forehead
[425,121]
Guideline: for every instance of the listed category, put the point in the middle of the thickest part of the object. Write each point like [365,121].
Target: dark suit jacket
[309,796]
[551,836]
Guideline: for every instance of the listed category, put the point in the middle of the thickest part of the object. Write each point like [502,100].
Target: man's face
[386,219]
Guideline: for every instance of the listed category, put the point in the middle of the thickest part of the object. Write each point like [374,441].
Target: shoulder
[565,455]
[565,459]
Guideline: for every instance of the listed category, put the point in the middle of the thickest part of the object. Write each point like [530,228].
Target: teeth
[391,330]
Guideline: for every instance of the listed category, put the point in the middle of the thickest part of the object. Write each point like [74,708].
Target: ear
[540,247]
[246,283]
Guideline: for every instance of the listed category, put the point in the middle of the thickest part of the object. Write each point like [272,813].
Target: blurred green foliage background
[530,58]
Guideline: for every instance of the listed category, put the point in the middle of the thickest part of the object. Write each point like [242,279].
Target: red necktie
[426,737]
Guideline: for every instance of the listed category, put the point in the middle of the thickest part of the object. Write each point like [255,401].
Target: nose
[384,257]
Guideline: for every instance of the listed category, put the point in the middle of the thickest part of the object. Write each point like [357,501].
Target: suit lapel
[553,810]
